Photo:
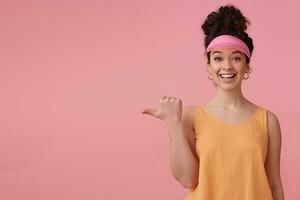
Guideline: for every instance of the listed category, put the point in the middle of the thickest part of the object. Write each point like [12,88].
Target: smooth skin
[228,105]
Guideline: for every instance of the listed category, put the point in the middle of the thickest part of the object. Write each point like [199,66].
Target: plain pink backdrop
[75,76]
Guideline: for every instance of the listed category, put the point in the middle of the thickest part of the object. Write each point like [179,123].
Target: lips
[227,75]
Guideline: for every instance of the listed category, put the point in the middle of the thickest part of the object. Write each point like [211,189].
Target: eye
[218,58]
[237,58]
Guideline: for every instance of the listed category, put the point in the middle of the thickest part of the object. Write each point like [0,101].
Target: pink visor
[230,41]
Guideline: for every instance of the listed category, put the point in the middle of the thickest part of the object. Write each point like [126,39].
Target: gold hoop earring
[246,76]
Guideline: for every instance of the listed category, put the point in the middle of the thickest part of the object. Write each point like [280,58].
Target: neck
[229,98]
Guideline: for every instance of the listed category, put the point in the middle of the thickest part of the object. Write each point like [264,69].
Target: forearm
[184,163]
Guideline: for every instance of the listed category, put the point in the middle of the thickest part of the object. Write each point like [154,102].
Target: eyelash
[234,58]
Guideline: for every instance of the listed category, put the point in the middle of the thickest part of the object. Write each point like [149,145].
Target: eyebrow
[232,52]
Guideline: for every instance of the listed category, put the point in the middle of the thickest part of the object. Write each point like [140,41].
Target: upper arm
[188,114]
[272,163]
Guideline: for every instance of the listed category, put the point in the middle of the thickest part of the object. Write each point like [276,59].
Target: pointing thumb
[148,111]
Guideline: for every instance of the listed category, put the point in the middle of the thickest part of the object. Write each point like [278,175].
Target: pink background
[75,76]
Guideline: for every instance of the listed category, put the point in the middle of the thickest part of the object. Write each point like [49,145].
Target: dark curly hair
[227,20]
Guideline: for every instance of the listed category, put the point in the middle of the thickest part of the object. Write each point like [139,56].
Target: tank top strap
[198,119]
[262,118]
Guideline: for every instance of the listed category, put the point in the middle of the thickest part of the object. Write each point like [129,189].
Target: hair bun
[228,19]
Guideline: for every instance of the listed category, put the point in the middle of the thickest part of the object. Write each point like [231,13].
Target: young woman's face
[230,61]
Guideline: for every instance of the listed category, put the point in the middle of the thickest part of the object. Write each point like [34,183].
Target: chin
[233,86]
[229,88]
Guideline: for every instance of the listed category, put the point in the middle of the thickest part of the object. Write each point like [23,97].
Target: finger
[167,99]
[163,97]
[148,111]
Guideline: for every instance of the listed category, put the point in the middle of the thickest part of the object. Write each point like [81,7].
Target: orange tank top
[231,158]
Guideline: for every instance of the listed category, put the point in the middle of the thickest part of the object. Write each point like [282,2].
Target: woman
[228,148]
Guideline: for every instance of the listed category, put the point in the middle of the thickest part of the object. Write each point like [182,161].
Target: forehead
[225,50]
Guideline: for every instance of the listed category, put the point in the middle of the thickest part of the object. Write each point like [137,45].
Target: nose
[227,64]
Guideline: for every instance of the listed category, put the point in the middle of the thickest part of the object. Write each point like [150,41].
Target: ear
[249,69]
[209,68]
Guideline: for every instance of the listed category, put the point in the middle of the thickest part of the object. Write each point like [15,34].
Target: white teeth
[227,75]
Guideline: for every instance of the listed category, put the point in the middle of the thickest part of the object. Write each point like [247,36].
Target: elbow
[188,179]
[190,184]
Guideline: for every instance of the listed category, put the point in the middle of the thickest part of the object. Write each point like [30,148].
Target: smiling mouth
[227,75]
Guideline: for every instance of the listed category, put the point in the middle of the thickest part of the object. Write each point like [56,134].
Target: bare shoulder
[188,116]
[271,115]
[272,119]
[274,129]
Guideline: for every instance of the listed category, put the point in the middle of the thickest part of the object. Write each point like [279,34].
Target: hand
[169,110]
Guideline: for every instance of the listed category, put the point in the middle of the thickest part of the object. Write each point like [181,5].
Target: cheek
[214,69]
[242,64]
[239,67]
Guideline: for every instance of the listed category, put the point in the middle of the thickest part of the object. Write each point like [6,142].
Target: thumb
[149,111]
